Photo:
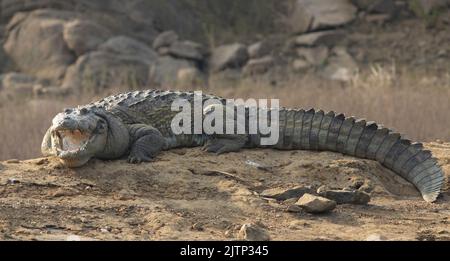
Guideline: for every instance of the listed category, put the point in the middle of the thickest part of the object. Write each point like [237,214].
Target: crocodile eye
[83,111]
[67,110]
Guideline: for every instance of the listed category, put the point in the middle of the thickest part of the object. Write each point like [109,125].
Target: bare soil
[188,194]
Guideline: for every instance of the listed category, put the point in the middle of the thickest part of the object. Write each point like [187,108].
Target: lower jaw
[74,162]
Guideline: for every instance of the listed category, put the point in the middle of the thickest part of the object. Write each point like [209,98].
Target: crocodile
[137,125]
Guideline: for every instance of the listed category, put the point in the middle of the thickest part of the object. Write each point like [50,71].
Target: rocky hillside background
[383,59]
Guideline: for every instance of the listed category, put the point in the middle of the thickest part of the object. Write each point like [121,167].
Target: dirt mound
[192,195]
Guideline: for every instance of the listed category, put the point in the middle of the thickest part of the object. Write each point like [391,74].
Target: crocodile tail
[317,130]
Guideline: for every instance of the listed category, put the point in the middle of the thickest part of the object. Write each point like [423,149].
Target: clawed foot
[222,145]
[136,159]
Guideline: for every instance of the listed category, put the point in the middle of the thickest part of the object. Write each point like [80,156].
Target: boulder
[165,39]
[346,196]
[102,69]
[4,60]
[128,46]
[190,76]
[36,45]
[228,56]
[166,69]
[258,49]
[315,55]
[187,50]
[17,84]
[426,6]
[315,204]
[341,66]
[258,65]
[286,193]
[328,38]
[300,64]
[253,232]
[313,15]
[84,36]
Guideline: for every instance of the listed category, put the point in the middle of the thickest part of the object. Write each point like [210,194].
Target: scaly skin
[137,124]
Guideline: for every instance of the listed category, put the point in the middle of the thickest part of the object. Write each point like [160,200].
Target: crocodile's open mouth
[70,142]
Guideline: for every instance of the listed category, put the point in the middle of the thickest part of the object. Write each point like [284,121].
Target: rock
[294,208]
[375,237]
[64,192]
[165,70]
[127,46]
[378,18]
[190,76]
[12,161]
[258,49]
[341,66]
[382,7]
[4,59]
[50,91]
[367,187]
[284,194]
[120,61]
[426,6]
[313,15]
[17,84]
[99,69]
[165,39]
[355,183]
[258,65]
[315,204]
[300,64]
[228,56]
[315,55]
[346,196]
[328,38]
[36,45]
[84,36]
[187,50]
[253,232]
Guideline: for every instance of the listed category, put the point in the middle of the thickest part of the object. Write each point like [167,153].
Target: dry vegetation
[413,104]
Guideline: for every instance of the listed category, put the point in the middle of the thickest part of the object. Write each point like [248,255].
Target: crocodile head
[79,134]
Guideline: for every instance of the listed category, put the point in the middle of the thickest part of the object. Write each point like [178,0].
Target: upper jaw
[70,143]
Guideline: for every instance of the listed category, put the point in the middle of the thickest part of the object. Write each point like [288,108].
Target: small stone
[367,187]
[64,192]
[12,181]
[315,204]
[252,232]
[294,208]
[228,233]
[375,237]
[355,183]
[41,161]
[197,227]
[347,196]
[283,193]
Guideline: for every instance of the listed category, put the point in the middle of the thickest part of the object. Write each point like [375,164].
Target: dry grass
[415,105]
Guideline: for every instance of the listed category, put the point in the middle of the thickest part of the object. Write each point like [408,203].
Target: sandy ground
[188,194]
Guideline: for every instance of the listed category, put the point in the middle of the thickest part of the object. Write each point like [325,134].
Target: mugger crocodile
[138,125]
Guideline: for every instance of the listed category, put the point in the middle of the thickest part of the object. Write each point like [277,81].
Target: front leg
[147,142]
